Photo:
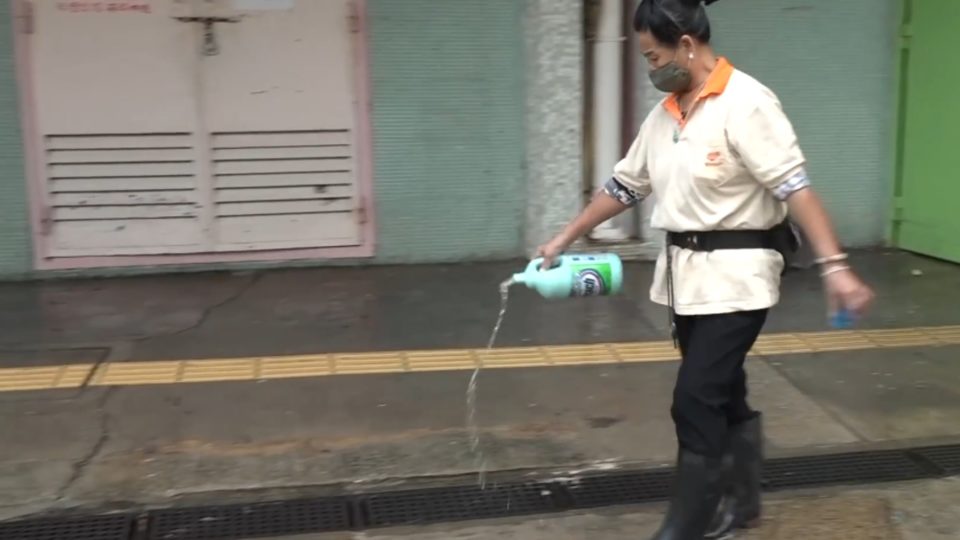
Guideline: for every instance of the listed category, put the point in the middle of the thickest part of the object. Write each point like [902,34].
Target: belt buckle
[694,240]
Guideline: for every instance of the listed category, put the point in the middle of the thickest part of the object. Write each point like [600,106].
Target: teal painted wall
[15,242]
[448,107]
[833,64]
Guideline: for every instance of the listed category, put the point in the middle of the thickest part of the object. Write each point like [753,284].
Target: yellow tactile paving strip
[324,365]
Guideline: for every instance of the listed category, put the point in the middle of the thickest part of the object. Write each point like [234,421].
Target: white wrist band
[834,270]
[831,259]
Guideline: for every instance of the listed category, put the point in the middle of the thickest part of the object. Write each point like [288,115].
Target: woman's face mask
[671,77]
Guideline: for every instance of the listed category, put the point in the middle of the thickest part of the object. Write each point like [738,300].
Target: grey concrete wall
[554,116]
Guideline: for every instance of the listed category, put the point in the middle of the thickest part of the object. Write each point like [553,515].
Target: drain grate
[438,505]
[622,488]
[469,502]
[117,527]
[251,520]
[946,458]
[834,469]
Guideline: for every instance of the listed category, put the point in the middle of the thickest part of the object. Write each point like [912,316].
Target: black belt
[778,238]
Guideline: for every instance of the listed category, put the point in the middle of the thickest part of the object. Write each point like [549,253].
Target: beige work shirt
[716,170]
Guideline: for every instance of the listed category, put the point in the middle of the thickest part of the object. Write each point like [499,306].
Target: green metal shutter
[448,130]
[832,63]
[15,239]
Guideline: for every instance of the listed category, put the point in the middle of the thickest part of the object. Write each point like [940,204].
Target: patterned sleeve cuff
[794,183]
[622,193]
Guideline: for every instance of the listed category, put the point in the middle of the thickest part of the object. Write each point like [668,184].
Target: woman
[726,168]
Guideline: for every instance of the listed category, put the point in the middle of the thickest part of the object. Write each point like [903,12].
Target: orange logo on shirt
[714,158]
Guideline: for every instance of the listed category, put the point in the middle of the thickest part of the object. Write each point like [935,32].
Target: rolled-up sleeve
[630,182]
[766,142]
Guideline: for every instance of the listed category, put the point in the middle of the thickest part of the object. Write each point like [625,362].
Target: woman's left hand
[846,291]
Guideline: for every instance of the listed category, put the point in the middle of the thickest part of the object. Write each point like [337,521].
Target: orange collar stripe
[715,85]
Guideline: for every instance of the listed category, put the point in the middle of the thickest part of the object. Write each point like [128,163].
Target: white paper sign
[263,5]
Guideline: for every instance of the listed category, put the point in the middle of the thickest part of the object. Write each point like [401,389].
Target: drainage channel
[469,502]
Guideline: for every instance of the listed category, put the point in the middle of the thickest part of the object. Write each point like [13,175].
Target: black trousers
[711,389]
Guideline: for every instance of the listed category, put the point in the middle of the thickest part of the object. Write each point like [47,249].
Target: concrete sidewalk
[133,446]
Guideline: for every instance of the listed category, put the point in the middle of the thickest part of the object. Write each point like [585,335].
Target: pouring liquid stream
[473,428]
[597,274]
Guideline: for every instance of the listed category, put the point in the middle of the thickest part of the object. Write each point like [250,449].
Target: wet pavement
[97,447]
[398,308]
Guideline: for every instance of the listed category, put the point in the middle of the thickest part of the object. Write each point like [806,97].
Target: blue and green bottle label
[592,277]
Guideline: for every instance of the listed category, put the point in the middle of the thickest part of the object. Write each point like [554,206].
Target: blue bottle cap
[841,319]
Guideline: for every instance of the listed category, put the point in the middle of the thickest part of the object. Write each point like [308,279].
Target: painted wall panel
[448,128]
[833,65]
[15,243]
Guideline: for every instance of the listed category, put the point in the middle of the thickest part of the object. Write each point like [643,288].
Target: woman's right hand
[551,250]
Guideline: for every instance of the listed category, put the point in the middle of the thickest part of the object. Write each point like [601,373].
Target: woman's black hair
[669,20]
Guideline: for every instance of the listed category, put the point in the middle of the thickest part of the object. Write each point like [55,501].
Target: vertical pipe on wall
[630,124]
[607,106]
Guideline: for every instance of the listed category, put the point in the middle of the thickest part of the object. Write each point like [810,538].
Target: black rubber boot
[698,489]
[743,469]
